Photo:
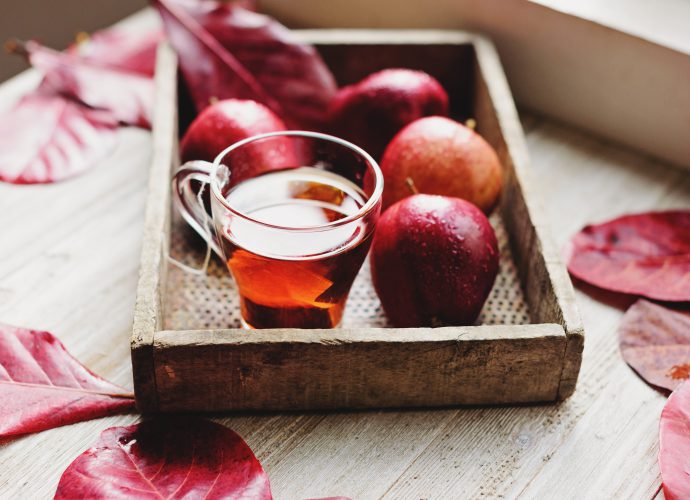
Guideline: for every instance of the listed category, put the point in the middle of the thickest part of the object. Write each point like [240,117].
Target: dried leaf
[674,444]
[47,138]
[211,71]
[645,254]
[166,458]
[128,96]
[227,51]
[118,49]
[655,342]
[42,386]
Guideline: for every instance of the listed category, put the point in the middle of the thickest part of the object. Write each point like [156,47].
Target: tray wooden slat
[148,310]
[414,367]
[212,370]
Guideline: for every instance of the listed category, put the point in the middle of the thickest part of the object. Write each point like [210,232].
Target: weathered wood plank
[343,449]
[547,286]
[312,369]
[153,268]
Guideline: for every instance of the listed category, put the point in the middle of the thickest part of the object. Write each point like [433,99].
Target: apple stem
[411,186]
[212,100]
[82,37]
[471,123]
[14,46]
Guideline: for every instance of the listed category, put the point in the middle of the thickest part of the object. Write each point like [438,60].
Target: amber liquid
[297,279]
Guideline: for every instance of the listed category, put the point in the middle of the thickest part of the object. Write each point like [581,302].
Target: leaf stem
[15,46]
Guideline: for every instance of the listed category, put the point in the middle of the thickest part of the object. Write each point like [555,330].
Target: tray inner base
[211,302]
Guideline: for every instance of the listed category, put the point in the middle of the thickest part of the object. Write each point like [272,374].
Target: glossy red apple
[433,261]
[232,120]
[223,123]
[443,157]
[371,112]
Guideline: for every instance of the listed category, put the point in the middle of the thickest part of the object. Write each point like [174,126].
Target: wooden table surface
[69,256]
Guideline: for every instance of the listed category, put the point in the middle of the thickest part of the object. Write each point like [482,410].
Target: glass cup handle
[190,203]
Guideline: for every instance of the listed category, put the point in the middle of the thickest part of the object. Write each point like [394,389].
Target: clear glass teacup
[293,217]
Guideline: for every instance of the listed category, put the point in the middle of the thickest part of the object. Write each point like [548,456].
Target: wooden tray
[188,354]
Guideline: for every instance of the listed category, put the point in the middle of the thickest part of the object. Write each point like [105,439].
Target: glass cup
[293,217]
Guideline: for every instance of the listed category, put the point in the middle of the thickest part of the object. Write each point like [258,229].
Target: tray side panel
[362,368]
[547,286]
[449,59]
[148,315]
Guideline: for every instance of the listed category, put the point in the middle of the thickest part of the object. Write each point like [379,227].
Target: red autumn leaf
[289,70]
[227,51]
[128,96]
[645,254]
[655,342]
[674,444]
[118,49]
[42,386]
[166,458]
[47,138]
[210,70]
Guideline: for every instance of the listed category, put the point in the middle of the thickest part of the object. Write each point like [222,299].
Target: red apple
[433,261]
[441,156]
[232,120]
[371,112]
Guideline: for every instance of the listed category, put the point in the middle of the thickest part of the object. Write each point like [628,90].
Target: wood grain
[69,257]
[359,368]
[547,286]
[218,370]
[148,314]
